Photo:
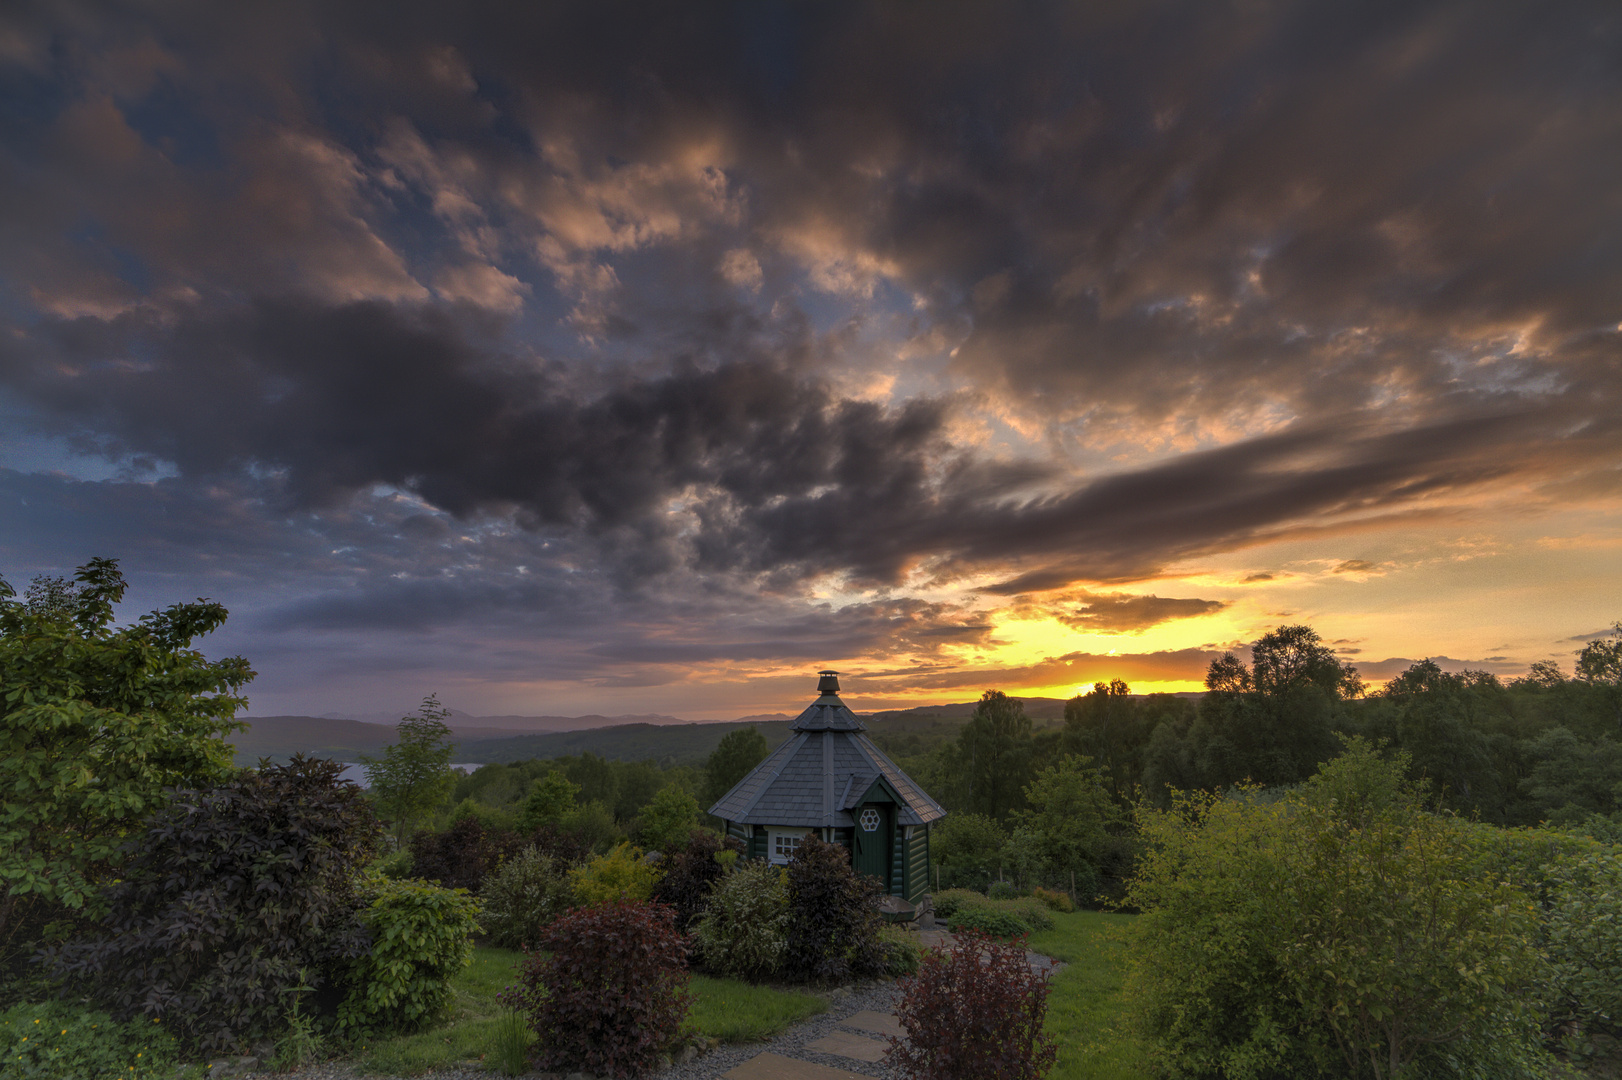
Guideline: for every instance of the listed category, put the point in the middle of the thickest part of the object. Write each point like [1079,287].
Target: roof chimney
[828,683]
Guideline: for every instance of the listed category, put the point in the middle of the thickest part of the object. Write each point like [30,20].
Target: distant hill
[668,740]
[667,744]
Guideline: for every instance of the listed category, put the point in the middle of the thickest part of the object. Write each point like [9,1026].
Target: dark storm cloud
[1118,612]
[574,264]
[1078,669]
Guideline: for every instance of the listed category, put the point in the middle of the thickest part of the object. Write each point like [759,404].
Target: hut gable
[830,778]
[809,779]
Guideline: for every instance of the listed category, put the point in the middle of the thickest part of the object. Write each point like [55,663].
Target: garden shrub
[973,1012]
[622,874]
[467,852]
[691,873]
[948,901]
[524,895]
[1031,911]
[667,821]
[833,927]
[990,921]
[1339,929]
[463,855]
[902,953]
[1001,890]
[612,993]
[1584,933]
[422,935]
[743,931]
[52,1040]
[1054,899]
[256,878]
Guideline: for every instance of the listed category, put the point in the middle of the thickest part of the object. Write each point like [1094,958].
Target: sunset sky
[621,358]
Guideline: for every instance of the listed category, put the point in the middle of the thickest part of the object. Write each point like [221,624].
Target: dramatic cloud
[1116,612]
[608,342]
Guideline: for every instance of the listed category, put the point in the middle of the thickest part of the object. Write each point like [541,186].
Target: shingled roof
[826,766]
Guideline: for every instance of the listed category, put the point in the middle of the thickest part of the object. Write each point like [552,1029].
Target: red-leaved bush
[613,993]
[974,1013]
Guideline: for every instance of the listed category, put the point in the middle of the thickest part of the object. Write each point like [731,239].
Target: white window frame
[780,844]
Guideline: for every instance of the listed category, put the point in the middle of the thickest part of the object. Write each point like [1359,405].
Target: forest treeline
[1542,747]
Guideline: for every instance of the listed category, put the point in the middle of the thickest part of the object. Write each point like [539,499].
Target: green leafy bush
[743,931]
[1033,912]
[609,993]
[993,922]
[999,918]
[902,953]
[1054,899]
[524,895]
[833,927]
[622,874]
[53,1040]
[1001,890]
[422,935]
[949,900]
[1584,927]
[1340,929]
[974,1013]
[256,878]
[667,821]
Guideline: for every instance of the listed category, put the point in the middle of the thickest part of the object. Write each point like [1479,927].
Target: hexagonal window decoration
[870,820]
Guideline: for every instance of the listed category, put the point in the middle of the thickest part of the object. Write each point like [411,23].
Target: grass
[1085,1007]
[735,1011]
[470,1030]
[726,1009]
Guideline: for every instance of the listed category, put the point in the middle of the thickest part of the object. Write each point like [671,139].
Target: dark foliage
[833,930]
[232,898]
[463,855]
[974,1013]
[690,874]
[612,994]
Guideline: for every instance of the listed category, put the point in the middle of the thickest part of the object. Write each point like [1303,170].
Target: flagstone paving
[846,1044]
[769,1066]
[877,1022]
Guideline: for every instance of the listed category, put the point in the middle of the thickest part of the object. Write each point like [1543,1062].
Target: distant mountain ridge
[669,740]
[459,720]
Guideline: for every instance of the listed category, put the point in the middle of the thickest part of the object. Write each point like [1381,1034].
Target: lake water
[356,773]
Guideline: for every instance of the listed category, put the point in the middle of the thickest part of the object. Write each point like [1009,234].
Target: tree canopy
[98,721]
[413,778]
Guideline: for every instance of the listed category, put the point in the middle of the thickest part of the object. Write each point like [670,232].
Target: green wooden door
[875,828]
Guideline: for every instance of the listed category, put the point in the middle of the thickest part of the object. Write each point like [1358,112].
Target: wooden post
[1073,888]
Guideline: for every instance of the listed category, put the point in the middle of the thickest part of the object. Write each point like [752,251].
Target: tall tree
[1600,664]
[1273,720]
[1105,724]
[413,778]
[550,799]
[97,723]
[732,759]
[995,747]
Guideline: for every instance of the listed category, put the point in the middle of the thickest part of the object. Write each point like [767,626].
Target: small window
[870,820]
[784,845]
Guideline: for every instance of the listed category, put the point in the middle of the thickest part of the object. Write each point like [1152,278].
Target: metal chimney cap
[828,683]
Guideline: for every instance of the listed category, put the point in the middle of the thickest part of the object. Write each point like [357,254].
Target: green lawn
[725,1009]
[1085,1009]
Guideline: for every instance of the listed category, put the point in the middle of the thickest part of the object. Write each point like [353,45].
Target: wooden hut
[829,779]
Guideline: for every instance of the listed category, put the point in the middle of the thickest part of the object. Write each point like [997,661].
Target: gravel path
[881,996]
